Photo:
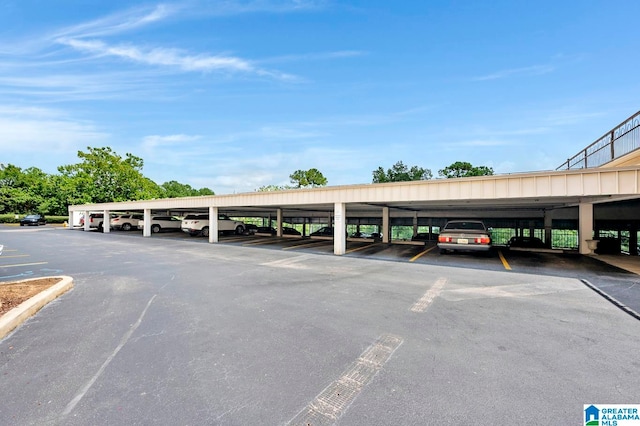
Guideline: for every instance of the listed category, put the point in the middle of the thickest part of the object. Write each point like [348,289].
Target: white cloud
[64,87]
[236,7]
[118,23]
[532,70]
[339,54]
[30,130]
[155,141]
[173,58]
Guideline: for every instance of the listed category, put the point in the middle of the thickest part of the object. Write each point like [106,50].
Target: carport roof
[521,192]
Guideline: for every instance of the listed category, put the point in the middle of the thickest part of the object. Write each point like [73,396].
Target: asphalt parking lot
[172,330]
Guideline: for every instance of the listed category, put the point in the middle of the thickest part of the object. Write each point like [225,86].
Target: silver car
[468,235]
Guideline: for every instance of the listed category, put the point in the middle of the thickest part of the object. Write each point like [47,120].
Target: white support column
[340,229]
[146,231]
[585,227]
[213,225]
[279,223]
[385,225]
[70,220]
[87,226]
[106,221]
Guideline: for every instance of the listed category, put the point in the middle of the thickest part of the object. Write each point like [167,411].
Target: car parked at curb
[33,220]
[162,223]
[464,235]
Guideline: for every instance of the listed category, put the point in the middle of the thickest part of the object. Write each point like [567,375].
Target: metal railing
[621,140]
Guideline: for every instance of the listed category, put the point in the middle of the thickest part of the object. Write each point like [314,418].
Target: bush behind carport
[11,218]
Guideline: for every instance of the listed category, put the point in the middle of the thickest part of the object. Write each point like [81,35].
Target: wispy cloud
[117,23]
[173,58]
[321,56]
[526,71]
[83,38]
[236,7]
[66,87]
[30,130]
[155,141]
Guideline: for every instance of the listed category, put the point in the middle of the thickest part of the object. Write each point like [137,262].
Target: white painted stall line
[428,298]
[71,405]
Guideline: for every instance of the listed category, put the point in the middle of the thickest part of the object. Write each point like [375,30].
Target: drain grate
[335,399]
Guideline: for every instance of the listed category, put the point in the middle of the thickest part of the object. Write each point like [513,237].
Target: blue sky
[236,94]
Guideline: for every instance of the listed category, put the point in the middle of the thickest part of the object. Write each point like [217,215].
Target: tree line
[103,176]
[400,172]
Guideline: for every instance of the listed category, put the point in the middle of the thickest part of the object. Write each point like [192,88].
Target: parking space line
[361,248]
[428,298]
[315,243]
[336,398]
[127,336]
[260,242]
[23,264]
[232,239]
[504,261]
[419,255]
[15,255]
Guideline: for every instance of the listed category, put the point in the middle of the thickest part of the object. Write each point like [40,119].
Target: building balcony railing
[621,140]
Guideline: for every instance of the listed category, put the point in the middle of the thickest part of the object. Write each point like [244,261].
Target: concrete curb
[611,299]
[28,308]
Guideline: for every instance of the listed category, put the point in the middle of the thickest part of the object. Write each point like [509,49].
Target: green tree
[267,188]
[106,177]
[307,178]
[464,169]
[206,191]
[399,172]
[23,191]
[174,189]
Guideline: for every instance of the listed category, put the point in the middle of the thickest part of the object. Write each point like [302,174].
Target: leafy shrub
[13,218]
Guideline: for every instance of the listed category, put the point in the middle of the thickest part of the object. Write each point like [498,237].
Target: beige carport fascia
[594,185]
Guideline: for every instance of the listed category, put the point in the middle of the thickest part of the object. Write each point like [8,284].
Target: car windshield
[31,216]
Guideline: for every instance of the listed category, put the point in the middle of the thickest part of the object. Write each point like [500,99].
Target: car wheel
[100,228]
[126,227]
[22,224]
[240,230]
[205,231]
[155,229]
[443,251]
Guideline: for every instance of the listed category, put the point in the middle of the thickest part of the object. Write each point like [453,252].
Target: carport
[544,196]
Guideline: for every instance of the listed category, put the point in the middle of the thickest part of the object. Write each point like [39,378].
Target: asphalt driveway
[161,331]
